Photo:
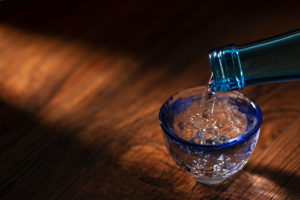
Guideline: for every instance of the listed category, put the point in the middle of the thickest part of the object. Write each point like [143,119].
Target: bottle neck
[275,59]
[226,68]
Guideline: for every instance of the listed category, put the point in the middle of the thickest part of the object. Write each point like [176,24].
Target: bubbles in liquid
[211,122]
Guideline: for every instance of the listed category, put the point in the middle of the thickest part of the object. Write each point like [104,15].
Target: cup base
[210,182]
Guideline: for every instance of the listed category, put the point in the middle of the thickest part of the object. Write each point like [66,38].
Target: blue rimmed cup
[213,163]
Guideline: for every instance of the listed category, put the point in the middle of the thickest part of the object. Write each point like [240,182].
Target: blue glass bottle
[275,59]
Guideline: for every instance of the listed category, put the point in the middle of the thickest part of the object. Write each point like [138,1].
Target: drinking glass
[210,163]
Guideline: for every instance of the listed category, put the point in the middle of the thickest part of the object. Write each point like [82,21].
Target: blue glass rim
[245,136]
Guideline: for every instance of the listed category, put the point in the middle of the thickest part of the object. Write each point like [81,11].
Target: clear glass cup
[213,163]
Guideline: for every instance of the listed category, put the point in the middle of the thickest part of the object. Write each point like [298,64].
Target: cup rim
[171,133]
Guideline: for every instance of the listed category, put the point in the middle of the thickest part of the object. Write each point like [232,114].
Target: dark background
[182,31]
[81,84]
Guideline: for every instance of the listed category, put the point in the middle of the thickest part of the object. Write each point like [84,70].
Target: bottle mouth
[226,68]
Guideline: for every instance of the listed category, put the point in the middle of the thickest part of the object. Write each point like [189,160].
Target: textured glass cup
[210,164]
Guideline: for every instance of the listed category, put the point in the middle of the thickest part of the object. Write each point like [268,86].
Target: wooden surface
[81,84]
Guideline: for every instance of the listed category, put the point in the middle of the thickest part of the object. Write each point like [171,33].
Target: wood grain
[81,84]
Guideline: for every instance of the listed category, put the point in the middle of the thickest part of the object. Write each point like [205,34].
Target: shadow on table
[41,161]
[247,182]
[285,179]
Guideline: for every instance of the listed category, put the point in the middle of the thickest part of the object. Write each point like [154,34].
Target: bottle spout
[226,68]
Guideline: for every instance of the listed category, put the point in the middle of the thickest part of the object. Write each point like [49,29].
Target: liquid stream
[214,121]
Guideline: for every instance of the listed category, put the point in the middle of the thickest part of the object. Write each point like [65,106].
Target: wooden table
[81,84]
